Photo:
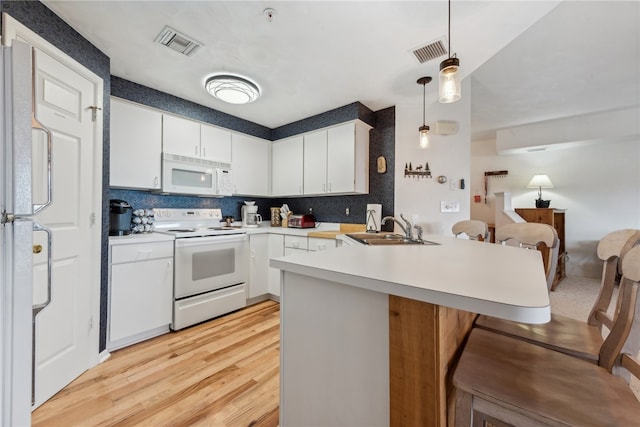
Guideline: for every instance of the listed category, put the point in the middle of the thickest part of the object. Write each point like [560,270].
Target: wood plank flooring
[224,372]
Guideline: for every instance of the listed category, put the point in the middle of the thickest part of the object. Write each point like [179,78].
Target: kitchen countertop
[327,230]
[495,280]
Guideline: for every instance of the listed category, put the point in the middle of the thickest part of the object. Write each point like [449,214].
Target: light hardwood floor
[224,372]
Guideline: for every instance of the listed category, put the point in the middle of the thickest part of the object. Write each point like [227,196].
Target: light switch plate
[449,206]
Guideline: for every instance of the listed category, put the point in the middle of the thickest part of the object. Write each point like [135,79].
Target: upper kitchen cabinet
[136,146]
[250,165]
[336,160]
[192,139]
[348,158]
[215,144]
[315,162]
[287,167]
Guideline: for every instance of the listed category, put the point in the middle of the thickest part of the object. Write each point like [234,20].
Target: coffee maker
[119,217]
[250,215]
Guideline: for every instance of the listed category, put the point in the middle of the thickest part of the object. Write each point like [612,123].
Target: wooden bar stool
[574,337]
[474,229]
[532,235]
[503,381]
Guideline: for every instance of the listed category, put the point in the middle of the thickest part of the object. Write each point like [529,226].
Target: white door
[63,344]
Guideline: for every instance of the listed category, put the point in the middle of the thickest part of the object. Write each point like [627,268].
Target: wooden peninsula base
[421,378]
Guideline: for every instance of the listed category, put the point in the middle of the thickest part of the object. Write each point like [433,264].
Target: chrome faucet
[406,228]
[419,229]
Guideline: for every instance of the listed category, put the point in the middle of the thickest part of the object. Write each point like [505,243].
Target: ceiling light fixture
[449,73]
[424,129]
[232,89]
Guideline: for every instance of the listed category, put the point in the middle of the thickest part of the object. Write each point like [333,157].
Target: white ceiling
[528,60]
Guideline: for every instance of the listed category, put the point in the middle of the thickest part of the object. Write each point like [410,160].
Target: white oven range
[210,264]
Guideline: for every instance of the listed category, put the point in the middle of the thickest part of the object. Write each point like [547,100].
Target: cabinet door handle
[156,182]
[196,150]
[204,152]
[329,187]
[253,253]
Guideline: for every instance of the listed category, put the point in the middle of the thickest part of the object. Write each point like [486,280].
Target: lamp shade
[540,181]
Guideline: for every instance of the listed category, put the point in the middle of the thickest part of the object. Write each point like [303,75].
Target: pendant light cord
[424,91]
[449,29]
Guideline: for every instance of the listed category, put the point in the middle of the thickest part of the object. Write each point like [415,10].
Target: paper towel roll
[374,216]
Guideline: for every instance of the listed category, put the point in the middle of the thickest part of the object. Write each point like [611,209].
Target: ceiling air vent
[177,41]
[430,51]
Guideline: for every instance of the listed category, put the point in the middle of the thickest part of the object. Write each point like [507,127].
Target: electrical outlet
[346,211]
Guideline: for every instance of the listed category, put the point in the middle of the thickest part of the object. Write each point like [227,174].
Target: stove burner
[182,230]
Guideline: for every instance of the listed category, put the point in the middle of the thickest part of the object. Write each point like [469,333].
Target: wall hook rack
[419,171]
[492,174]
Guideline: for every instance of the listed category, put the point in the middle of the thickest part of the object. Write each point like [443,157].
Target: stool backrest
[621,347]
[534,235]
[611,249]
[474,229]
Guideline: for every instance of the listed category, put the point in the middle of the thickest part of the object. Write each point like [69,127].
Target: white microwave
[189,175]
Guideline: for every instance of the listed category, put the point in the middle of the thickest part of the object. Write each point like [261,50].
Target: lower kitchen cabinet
[141,292]
[321,244]
[264,279]
[259,264]
[276,250]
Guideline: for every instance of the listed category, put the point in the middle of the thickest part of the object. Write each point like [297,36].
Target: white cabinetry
[192,139]
[250,165]
[348,158]
[295,244]
[215,144]
[286,166]
[321,244]
[259,265]
[315,162]
[264,279]
[136,146]
[334,160]
[141,292]
[276,250]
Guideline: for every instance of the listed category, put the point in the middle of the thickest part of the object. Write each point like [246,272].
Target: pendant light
[449,75]
[424,129]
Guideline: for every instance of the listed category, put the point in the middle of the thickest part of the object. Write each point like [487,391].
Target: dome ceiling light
[232,89]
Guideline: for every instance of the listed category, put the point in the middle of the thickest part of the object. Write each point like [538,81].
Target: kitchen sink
[387,239]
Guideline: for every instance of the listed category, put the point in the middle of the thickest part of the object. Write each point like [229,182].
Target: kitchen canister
[275,217]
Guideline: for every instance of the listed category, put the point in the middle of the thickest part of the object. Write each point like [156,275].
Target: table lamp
[540,182]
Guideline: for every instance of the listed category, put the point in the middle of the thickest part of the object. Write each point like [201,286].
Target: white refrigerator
[18,205]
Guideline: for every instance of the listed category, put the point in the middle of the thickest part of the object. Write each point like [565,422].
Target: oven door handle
[208,240]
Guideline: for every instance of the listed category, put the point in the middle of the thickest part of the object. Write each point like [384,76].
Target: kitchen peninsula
[369,333]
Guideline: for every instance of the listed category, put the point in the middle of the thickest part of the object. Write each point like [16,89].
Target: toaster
[301,221]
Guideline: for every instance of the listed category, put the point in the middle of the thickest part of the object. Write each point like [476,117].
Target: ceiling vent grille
[177,41]
[430,51]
